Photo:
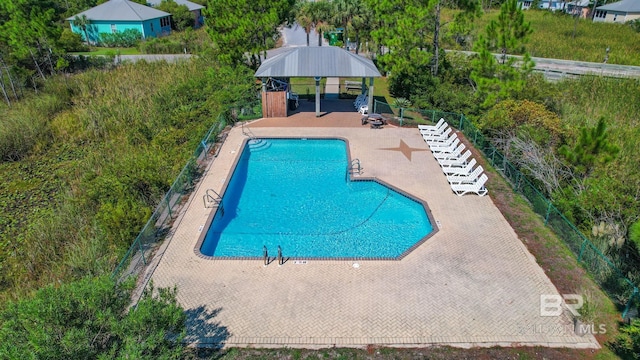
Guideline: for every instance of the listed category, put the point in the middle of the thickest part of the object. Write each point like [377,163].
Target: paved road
[555,69]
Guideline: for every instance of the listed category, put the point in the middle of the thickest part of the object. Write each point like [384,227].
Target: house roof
[121,10]
[323,61]
[628,6]
[191,5]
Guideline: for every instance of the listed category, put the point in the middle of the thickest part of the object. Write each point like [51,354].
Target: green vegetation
[553,37]
[101,150]
[85,320]
[240,27]
[109,51]
[497,79]
[181,17]
[628,342]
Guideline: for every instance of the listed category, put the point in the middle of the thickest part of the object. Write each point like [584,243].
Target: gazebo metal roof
[322,61]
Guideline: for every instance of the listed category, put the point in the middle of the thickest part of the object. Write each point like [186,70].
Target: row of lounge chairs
[361,104]
[456,163]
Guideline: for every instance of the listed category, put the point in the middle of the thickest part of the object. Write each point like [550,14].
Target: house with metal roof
[552,5]
[119,15]
[620,12]
[315,62]
[196,9]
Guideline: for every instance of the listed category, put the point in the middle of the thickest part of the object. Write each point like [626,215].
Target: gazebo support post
[317,79]
[370,99]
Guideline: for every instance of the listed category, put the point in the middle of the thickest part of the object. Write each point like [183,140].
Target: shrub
[540,124]
[160,46]
[127,38]
[86,319]
[634,24]
[627,344]
[71,41]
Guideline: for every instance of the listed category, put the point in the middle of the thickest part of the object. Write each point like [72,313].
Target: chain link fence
[603,270]
[160,222]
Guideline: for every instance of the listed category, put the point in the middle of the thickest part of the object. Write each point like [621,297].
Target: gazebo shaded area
[315,62]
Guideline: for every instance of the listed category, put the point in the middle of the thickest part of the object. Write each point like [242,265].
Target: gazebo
[315,62]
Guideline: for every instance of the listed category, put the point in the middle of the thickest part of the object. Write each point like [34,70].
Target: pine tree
[499,80]
[592,148]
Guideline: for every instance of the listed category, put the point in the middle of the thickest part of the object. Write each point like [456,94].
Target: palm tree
[361,22]
[303,18]
[82,22]
[320,13]
[343,13]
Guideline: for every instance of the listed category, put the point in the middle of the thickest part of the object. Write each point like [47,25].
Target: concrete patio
[472,284]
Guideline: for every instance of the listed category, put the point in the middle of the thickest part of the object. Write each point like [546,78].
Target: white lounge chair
[437,142]
[453,154]
[438,149]
[466,179]
[476,188]
[435,130]
[462,170]
[432,127]
[459,162]
[437,137]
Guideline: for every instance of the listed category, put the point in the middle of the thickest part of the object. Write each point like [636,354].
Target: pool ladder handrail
[355,167]
[247,132]
[265,255]
[211,200]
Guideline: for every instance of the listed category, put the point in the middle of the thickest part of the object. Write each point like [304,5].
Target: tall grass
[553,37]
[87,160]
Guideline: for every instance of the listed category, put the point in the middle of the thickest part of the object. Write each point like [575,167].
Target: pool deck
[471,284]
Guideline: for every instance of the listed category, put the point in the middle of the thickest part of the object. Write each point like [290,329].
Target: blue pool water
[295,193]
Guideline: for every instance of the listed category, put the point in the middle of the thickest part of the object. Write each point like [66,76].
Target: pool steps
[259,144]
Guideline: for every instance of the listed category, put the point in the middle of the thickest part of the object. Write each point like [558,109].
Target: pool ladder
[267,260]
[211,199]
[355,167]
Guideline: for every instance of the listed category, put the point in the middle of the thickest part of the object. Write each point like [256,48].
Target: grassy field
[553,37]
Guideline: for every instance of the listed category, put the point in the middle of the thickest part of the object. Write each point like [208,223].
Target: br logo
[554,305]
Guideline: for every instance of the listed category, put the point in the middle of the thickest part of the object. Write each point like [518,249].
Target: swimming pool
[297,194]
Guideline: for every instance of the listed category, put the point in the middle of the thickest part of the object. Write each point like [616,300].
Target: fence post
[546,218]
[461,122]
[433,116]
[628,306]
[144,261]
[166,199]
[493,154]
[584,243]
[204,146]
